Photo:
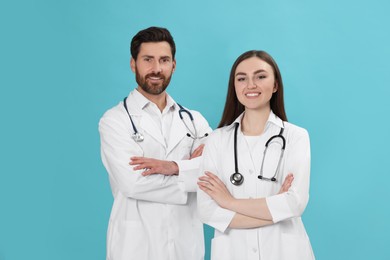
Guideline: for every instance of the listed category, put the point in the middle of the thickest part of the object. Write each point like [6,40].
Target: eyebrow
[165,57]
[259,71]
[152,57]
[244,74]
[240,73]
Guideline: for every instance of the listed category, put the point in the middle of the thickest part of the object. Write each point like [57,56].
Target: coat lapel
[151,128]
[178,131]
[145,122]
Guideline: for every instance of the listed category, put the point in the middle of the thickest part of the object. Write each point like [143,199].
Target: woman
[249,196]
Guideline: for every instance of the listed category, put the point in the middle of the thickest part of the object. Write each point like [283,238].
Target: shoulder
[219,134]
[116,113]
[295,129]
[195,114]
[294,132]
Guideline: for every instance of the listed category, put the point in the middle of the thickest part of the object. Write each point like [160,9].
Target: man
[149,154]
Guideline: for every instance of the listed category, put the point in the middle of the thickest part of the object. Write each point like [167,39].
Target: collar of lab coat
[146,123]
[272,119]
[142,101]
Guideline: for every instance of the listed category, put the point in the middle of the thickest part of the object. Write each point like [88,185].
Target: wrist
[230,204]
[175,168]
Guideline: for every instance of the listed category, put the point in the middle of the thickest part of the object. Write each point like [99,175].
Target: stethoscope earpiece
[191,134]
[266,179]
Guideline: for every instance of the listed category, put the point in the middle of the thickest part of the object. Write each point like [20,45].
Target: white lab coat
[152,217]
[287,238]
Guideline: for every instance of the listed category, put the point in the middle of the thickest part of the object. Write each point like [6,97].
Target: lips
[154,77]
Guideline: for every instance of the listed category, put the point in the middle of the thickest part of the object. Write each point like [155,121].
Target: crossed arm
[155,166]
[249,213]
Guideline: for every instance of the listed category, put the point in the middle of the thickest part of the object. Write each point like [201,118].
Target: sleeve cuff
[188,174]
[221,219]
[279,207]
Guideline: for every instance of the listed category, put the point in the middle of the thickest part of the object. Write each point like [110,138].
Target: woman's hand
[216,189]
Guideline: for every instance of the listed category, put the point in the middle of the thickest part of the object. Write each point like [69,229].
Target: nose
[251,84]
[156,67]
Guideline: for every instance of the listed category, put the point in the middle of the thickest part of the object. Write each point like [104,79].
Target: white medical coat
[287,238]
[152,217]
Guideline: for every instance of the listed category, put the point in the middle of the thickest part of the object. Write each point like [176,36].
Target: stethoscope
[237,178]
[138,137]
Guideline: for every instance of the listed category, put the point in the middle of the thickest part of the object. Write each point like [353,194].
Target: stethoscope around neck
[237,178]
[138,137]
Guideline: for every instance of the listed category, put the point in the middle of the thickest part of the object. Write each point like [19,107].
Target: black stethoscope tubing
[137,136]
[237,178]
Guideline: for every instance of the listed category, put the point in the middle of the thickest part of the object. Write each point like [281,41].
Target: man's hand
[197,152]
[154,166]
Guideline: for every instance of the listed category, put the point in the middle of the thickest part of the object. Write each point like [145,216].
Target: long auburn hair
[233,108]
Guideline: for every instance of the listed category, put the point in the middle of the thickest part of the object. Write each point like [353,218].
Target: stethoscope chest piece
[237,179]
[138,137]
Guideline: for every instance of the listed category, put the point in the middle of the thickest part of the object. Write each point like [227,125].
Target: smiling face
[254,82]
[154,67]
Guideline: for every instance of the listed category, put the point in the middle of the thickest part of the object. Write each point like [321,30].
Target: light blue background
[63,63]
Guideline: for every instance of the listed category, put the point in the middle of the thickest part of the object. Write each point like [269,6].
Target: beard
[152,88]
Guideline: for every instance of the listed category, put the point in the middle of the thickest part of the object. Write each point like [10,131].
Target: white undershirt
[252,140]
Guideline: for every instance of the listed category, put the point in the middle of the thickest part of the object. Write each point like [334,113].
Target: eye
[240,79]
[165,60]
[260,77]
[147,59]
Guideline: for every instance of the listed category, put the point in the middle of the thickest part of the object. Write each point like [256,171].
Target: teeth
[252,94]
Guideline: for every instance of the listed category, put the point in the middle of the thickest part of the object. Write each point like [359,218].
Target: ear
[132,64]
[173,66]
[276,87]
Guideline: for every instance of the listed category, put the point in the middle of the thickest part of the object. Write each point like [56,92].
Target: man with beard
[150,148]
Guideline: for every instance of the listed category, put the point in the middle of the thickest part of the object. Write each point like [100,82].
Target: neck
[160,100]
[253,122]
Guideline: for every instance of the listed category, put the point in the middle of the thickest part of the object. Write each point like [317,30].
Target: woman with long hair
[256,168]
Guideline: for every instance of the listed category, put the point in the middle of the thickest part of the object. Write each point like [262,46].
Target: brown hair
[233,108]
[151,34]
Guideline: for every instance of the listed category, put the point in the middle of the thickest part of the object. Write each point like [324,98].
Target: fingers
[214,178]
[199,148]
[287,183]
[205,186]
[138,160]
[154,166]
[197,152]
[211,182]
[148,172]
[142,163]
